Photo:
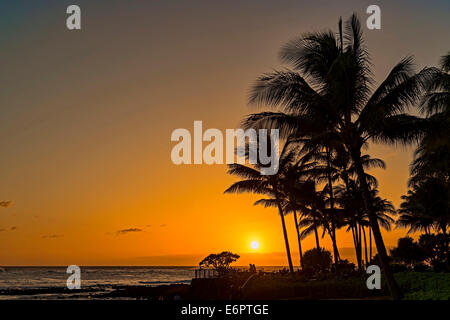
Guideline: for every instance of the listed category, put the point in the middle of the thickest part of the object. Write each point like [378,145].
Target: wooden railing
[206,273]
[212,273]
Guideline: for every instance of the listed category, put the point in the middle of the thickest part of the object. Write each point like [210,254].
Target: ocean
[96,278]
[16,282]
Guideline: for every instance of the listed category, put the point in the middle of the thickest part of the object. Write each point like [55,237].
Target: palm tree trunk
[360,243]
[286,240]
[370,244]
[353,225]
[354,239]
[335,248]
[357,244]
[392,284]
[353,236]
[316,233]
[365,246]
[333,220]
[299,239]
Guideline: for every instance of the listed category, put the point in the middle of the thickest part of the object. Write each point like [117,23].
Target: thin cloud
[5,204]
[13,228]
[129,230]
[163,225]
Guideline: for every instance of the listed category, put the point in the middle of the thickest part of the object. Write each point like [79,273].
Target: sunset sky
[86,120]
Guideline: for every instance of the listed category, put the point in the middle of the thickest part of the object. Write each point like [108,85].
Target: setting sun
[254,245]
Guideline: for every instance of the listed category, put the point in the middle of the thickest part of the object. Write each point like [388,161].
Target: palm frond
[244,172]
[251,186]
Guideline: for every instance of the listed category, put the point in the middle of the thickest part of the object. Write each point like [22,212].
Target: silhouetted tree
[408,251]
[434,248]
[220,261]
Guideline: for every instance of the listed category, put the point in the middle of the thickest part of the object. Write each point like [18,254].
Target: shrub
[376,260]
[399,267]
[308,272]
[434,247]
[408,251]
[421,267]
[283,271]
[317,259]
[344,266]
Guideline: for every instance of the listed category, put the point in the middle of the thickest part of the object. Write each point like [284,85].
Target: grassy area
[415,286]
[286,287]
[424,285]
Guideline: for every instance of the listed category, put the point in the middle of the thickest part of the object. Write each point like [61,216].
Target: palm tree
[427,206]
[328,173]
[270,185]
[329,94]
[312,218]
[432,157]
[298,189]
[310,222]
[292,202]
[291,207]
[437,99]
[413,215]
[356,219]
[383,209]
[349,197]
[343,169]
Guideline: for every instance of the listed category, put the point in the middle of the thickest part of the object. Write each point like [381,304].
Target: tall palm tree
[356,219]
[293,202]
[290,207]
[426,206]
[328,174]
[270,185]
[341,168]
[316,215]
[298,189]
[349,197]
[383,209]
[330,93]
[312,218]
